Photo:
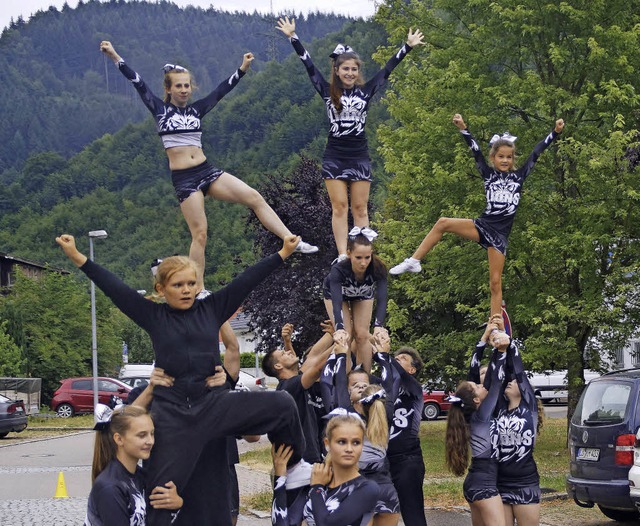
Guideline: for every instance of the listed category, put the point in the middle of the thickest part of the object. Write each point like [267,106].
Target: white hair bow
[173,67]
[154,266]
[378,395]
[102,415]
[455,400]
[367,232]
[340,49]
[506,136]
[340,411]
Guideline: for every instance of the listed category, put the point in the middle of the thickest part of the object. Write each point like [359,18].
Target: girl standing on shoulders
[124,436]
[349,291]
[179,124]
[339,495]
[503,186]
[346,166]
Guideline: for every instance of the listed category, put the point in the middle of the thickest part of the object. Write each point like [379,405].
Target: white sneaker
[305,248]
[340,258]
[408,265]
[299,475]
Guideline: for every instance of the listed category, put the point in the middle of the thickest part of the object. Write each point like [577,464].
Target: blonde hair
[343,420]
[168,82]
[170,266]
[376,415]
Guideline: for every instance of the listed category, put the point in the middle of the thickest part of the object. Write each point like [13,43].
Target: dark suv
[602,435]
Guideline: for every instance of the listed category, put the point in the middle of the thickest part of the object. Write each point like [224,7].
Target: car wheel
[2,435]
[65,410]
[431,411]
[619,515]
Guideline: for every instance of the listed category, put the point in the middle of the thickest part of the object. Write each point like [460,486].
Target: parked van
[602,434]
[136,374]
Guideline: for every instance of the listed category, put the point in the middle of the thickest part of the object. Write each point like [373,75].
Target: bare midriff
[183,157]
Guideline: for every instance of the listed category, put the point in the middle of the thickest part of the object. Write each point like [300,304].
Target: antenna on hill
[272,50]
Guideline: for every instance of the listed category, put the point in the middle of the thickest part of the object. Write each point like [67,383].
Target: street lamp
[94,234]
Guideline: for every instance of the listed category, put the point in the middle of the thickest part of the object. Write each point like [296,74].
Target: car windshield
[602,403]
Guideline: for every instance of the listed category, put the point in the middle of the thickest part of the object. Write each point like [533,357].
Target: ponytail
[457,436]
[375,414]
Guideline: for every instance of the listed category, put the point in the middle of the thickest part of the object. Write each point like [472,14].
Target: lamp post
[94,234]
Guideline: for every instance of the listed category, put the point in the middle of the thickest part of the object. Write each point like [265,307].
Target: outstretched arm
[473,145]
[107,48]
[288,27]
[541,147]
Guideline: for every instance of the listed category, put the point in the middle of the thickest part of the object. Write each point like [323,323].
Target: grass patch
[259,459]
[258,501]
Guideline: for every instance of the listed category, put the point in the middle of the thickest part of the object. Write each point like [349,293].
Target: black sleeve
[515,365]
[134,305]
[537,151]
[111,505]
[483,167]
[318,81]
[381,302]
[335,286]
[362,500]
[476,361]
[380,78]
[227,300]
[496,375]
[390,382]
[205,105]
[341,391]
[151,101]
[279,511]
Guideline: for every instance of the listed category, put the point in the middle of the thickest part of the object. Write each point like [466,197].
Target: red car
[75,395]
[434,404]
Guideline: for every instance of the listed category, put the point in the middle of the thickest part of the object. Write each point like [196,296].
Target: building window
[635,353]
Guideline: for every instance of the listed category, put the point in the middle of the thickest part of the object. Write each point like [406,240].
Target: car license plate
[588,453]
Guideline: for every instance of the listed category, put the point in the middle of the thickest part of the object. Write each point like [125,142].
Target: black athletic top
[341,285]
[476,361]
[407,413]
[301,396]
[171,119]
[503,189]
[117,498]
[185,342]
[515,430]
[346,133]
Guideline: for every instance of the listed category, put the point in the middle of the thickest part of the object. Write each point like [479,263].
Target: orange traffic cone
[61,489]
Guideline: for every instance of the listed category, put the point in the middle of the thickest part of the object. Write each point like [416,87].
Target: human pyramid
[345,444]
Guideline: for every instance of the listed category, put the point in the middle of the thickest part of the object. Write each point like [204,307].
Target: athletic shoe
[203,294]
[408,265]
[306,248]
[299,475]
[340,258]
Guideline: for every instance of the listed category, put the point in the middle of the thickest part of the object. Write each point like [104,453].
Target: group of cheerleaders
[370,467]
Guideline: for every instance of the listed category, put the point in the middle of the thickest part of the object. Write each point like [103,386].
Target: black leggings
[407,473]
[183,431]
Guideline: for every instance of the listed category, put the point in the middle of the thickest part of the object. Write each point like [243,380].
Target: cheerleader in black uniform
[179,125]
[339,495]
[346,166]
[349,291]
[124,437]
[503,185]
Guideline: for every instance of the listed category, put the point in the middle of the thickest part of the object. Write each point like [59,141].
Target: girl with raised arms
[184,334]
[503,186]
[179,124]
[346,166]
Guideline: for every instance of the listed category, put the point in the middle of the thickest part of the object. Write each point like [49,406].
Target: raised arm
[381,302]
[153,103]
[471,141]
[413,39]
[288,27]
[231,351]
[279,510]
[206,104]
[477,355]
[496,373]
[135,306]
[390,380]
[515,365]
[541,147]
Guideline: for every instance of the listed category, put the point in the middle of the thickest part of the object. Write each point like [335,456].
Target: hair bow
[455,400]
[378,395]
[340,411]
[340,49]
[102,415]
[173,67]
[506,136]
[367,232]
[154,266]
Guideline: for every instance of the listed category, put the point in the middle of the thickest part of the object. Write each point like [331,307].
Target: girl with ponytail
[123,437]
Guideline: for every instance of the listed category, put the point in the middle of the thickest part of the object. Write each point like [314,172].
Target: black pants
[407,473]
[182,433]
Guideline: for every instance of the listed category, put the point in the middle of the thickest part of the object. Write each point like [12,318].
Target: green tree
[571,272]
[11,361]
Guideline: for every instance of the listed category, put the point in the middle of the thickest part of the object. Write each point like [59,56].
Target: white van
[550,386]
[136,374]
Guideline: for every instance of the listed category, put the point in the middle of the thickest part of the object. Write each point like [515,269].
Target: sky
[363,8]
